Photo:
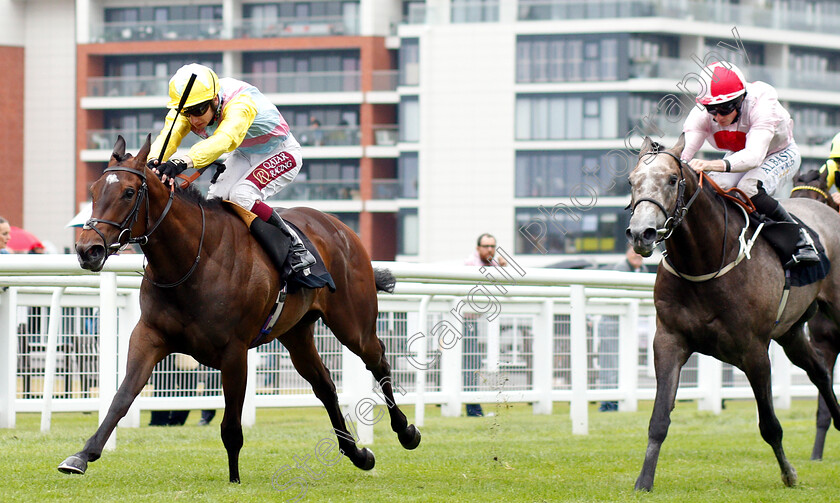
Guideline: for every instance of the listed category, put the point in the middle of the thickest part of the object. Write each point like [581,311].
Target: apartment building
[439,120]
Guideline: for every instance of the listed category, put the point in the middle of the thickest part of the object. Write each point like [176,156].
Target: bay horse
[825,335]
[719,300]
[208,288]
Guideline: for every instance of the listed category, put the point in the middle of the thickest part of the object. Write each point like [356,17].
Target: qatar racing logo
[271,168]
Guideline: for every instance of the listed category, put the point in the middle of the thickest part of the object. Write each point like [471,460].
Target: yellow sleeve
[182,129]
[236,119]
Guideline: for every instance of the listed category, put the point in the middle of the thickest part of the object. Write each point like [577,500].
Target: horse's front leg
[670,354]
[234,379]
[142,358]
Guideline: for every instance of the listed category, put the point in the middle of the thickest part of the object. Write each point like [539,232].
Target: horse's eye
[672,180]
[129,193]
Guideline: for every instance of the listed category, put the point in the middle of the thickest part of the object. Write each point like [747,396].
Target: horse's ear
[646,145]
[143,154]
[119,150]
[679,146]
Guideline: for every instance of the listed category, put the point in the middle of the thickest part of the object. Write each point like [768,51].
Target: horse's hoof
[410,438]
[74,465]
[365,460]
[789,478]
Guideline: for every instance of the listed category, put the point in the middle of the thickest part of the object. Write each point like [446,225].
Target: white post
[628,358]
[49,362]
[107,348]
[8,356]
[543,345]
[781,376]
[129,318]
[249,405]
[710,382]
[451,365]
[578,409]
[357,386]
[422,361]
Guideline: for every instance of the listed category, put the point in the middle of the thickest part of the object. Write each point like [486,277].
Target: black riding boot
[299,257]
[273,240]
[805,250]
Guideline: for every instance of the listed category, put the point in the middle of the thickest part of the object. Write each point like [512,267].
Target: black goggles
[722,108]
[197,110]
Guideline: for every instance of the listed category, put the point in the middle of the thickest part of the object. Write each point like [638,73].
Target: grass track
[512,457]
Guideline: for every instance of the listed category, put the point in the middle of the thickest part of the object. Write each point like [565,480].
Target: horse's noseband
[675,218]
[130,219]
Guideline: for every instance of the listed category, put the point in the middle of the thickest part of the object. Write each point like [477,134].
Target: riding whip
[184,96]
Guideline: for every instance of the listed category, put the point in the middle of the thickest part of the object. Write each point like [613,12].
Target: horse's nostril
[628,234]
[649,235]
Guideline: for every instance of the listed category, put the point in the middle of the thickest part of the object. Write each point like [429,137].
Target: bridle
[675,218]
[128,222]
[814,189]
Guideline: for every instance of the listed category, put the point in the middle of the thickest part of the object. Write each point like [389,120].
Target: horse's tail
[385,280]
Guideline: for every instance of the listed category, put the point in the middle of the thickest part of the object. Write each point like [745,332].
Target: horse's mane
[193,195]
[807,177]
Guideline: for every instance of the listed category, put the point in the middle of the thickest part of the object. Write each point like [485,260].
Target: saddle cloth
[803,274]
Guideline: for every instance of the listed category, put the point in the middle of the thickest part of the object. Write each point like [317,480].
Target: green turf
[511,457]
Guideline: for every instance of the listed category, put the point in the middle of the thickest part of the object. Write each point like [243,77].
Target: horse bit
[130,219]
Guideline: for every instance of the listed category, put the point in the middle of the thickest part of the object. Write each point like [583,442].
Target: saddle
[316,276]
[778,236]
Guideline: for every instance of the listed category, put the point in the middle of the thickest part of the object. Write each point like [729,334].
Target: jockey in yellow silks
[233,116]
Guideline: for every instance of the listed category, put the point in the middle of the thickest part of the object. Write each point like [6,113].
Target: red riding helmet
[722,82]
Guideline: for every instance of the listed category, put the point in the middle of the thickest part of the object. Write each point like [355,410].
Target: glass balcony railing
[328,136]
[816,16]
[104,139]
[385,188]
[297,27]
[193,29]
[306,190]
[385,80]
[386,135]
[127,86]
[678,69]
[309,82]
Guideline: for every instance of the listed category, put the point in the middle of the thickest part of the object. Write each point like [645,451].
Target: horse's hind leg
[234,380]
[301,345]
[757,370]
[669,357]
[372,351]
[802,353]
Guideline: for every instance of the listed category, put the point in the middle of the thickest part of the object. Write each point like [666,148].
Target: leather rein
[130,219]
[675,218]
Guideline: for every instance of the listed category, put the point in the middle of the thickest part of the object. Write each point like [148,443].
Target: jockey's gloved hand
[152,164]
[172,168]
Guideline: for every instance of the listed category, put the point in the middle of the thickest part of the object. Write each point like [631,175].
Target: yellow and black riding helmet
[833,162]
[205,88]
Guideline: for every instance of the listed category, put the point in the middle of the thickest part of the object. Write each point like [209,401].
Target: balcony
[305,82]
[128,86]
[193,29]
[328,136]
[386,189]
[103,139]
[816,17]
[307,190]
[385,80]
[316,26]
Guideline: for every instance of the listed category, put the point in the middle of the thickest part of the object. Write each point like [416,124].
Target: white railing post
[49,362]
[422,361]
[107,348]
[128,320]
[249,405]
[8,356]
[710,382]
[579,407]
[781,376]
[451,365]
[628,357]
[357,386]
[543,345]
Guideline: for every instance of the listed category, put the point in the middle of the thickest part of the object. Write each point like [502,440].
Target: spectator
[484,255]
[608,334]
[5,234]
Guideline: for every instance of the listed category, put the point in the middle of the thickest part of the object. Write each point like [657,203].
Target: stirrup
[300,258]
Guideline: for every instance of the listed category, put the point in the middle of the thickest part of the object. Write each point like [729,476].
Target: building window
[566,117]
[475,11]
[279,19]
[408,232]
[303,71]
[407,170]
[146,75]
[409,119]
[580,174]
[333,179]
[724,50]
[409,61]
[566,229]
[562,58]
[162,23]
[324,125]
[350,220]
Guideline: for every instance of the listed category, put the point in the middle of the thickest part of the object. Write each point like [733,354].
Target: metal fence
[453,336]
